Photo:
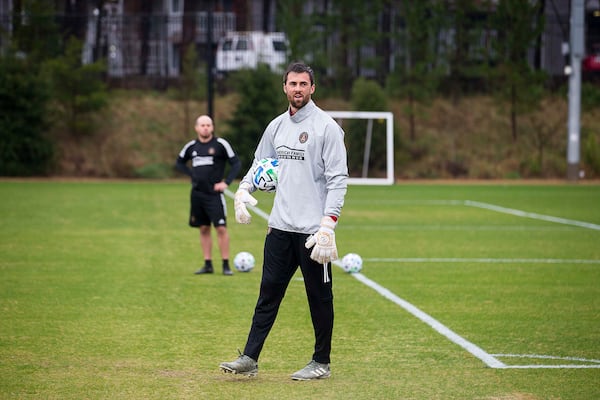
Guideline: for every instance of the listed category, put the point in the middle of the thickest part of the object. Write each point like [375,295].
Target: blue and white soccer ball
[352,263]
[264,175]
[244,261]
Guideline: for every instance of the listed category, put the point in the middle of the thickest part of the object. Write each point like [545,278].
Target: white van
[239,50]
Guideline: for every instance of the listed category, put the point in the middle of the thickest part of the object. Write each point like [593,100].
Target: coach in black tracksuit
[209,155]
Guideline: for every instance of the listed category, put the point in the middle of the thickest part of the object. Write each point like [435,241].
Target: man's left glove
[324,250]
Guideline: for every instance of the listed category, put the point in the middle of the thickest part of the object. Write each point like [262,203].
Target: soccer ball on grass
[264,174]
[352,263]
[243,261]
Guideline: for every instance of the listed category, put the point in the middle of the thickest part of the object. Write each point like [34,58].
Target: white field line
[488,359]
[468,228]
[491,360]
[500,209]
[551,366]
[547,357]
[594,363]
[525,214]
[484,260]
[475,350]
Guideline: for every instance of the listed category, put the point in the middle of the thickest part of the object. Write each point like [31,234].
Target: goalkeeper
[309,197]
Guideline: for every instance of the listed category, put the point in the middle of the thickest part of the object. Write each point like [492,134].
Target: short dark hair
[299,67]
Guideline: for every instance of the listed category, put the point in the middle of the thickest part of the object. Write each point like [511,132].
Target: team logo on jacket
[303,137]
[211,151]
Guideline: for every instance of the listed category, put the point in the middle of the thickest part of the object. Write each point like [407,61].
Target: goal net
[370,145]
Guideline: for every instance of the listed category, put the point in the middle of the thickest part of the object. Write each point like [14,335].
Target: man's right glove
[325,249]
[243,196]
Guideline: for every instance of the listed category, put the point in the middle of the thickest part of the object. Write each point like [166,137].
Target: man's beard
[299,103]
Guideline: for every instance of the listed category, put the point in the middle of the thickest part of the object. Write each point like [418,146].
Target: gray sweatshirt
[312,168]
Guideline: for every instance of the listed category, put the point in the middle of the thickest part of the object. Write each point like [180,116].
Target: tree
[191,85]
[261,98]
[78,90]
[350,24]
[468,52]
[417,75]
[24,149]
[35,32]
[367,95]
[519,25]
[355,23]
[24,94]
[301,29]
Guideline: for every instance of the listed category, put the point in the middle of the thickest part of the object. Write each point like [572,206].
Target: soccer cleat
[204,270]
[313,370]
[243,365]
[227,270]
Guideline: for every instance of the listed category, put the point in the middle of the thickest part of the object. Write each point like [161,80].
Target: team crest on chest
[211,151]
[303,137]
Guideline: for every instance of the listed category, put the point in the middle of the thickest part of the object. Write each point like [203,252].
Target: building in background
[147,39]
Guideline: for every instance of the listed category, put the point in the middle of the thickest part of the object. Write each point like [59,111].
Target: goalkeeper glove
[243,196]
[324,250]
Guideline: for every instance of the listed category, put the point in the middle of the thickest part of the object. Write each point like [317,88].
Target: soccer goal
[370,145]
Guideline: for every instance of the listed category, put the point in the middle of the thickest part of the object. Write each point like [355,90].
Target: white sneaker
[313,370]
[243,365]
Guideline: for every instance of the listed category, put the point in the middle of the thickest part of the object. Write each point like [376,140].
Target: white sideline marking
[525,214]
[484,260]
[464,227]
[595,363]
[550,366]
[500,209]
[489,359]
[475,350]
[548,357]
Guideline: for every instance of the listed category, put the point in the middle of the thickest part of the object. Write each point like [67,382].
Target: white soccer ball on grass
[352,263]
[265,173]
[244,261]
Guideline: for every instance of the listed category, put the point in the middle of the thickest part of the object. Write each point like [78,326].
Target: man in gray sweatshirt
[311,187]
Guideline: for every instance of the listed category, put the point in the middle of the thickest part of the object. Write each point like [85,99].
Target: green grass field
[492,291]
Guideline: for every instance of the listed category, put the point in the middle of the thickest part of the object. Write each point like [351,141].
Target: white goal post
[389,134]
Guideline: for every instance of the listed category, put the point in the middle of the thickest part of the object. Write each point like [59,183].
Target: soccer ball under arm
[265,174]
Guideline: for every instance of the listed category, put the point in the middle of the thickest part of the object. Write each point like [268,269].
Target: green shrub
[261,99]
[590,96]
[78,91]
[591,153]
[366,95]
[24,150]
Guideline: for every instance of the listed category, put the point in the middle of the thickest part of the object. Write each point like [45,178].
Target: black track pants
[283,253]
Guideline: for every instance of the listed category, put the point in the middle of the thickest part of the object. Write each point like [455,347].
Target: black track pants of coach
[284,251]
